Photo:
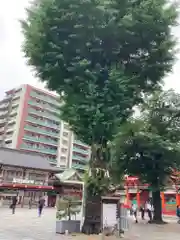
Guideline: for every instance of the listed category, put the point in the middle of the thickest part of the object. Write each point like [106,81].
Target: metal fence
[123,221]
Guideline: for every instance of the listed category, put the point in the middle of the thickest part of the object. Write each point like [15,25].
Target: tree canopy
[149,146]
[100,56]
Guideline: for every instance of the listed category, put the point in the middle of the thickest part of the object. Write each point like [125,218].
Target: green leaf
[105,56]
[148,147]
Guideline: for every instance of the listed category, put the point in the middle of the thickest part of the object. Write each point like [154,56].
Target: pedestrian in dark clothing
[30,203]
[13,205]
[178,213]
[149,210]
[135,212]
[40,206]
[142,210]
[131,212]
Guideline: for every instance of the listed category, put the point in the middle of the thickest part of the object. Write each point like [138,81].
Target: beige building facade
[30,120]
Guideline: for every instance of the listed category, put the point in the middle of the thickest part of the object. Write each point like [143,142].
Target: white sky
[13,69]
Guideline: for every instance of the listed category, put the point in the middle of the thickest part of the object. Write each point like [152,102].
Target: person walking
[131,211]
[30,203]
[149,211]
[41,204]
[142,210]
[178,213]
[13,204]
[135,212]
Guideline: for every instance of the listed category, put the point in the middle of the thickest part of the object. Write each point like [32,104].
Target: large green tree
[149,146]
[100,56]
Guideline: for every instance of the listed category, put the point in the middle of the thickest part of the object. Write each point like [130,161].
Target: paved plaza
[144,231]
[26,225]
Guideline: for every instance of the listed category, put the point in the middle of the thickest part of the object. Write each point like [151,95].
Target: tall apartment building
[29,120]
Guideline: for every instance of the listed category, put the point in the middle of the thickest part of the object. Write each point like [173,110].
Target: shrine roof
[69,175]
[20,158]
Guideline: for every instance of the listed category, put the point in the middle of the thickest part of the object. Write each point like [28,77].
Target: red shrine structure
[139,193]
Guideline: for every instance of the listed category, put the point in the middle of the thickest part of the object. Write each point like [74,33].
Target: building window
[10,123]
[64,142]
[18,174]
[64,150]
[7,141]
[63,159]
[63,165]
[66,126]
[65,134]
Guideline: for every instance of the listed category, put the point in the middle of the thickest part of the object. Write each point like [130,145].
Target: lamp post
[121,216]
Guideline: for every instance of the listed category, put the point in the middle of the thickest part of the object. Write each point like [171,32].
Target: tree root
[158,222]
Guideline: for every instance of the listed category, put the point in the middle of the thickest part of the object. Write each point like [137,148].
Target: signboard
[109,214]
[26,181]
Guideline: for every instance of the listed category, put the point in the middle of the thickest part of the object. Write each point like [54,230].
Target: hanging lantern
[106,174]
[97,170]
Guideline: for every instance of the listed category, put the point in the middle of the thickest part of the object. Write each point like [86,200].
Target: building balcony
[7,98]
[79,150]
[3,114]
[2,122]
[17,96]
[9,130]
[1,129]
[45,98]
[15,103]
[43,106]
[80,166]
[8,138]
[4,106]
[81,159]
[81,143]
[13,113]
[11,121]
[42,123]
[40,150]
[39,130]
[52,161]
[44,114]
[41,140]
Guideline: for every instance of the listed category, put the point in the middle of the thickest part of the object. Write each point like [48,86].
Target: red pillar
[163,201]
[127,197]
[138,198]
[177,199]
[177,196]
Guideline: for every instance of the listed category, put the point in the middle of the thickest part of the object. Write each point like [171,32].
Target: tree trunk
[93,209]
[92,222]
[157,217]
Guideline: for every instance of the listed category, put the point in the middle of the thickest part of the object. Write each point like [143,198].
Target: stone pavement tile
[154,232]
[26,225]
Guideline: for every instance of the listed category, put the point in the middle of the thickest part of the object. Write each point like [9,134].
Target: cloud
[13,68]
[172,80]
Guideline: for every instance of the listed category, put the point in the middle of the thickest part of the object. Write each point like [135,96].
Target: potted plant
[67,209]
